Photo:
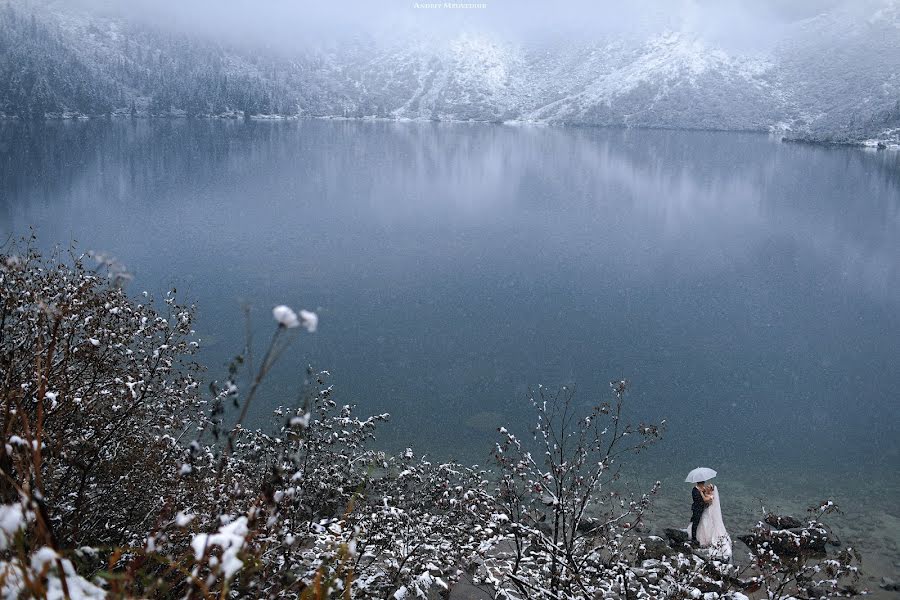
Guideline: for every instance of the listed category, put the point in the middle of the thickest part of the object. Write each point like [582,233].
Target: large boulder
[783,521]
[653,548]
[677,537]
[889,584]
[788,542]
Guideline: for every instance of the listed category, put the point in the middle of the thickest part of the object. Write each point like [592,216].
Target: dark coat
[697,507]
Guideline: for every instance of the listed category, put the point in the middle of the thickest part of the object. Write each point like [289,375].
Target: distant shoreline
[869,143]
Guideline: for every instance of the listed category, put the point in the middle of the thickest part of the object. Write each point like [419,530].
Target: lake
[749,289]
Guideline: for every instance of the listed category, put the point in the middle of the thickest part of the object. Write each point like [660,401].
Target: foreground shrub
[97,390]
[568,524]
[120,476]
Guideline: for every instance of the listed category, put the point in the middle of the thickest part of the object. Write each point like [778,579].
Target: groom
[697,508]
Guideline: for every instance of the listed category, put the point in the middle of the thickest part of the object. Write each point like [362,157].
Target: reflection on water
[750,289]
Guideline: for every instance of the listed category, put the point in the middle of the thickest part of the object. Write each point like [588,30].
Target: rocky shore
[872,527]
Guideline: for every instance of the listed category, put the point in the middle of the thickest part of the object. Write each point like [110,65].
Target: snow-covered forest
[830,77]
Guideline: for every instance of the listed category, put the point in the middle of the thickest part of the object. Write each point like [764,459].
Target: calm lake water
[749,289]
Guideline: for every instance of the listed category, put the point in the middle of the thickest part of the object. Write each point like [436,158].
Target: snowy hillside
[833,77]
[673,80]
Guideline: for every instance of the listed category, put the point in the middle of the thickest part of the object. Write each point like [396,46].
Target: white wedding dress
[711,531]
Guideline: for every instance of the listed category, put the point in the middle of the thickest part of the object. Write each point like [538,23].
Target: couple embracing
[707,529]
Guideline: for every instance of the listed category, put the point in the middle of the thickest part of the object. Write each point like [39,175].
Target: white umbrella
[700,474]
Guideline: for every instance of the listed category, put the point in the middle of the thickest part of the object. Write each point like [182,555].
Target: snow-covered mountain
[834,77]
[653,83]
[671,80]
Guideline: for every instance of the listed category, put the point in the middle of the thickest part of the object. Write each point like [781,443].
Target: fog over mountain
[827,71]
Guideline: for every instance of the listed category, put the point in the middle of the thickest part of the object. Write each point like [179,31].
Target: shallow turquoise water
[749,289]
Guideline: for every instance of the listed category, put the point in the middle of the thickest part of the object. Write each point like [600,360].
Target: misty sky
[740,24]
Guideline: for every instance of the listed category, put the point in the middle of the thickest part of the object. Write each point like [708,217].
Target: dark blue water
[749,289]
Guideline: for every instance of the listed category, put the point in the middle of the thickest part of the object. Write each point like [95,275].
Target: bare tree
[567,521]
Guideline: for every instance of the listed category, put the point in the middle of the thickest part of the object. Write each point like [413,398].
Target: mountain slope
[833,77]
[41,74]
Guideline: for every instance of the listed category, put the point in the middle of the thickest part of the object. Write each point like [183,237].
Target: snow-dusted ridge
[834,77]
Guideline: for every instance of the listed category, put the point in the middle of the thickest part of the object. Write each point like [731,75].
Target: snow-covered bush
[328,512]
[135,481]
[790,559]
[96,389]
[567,525]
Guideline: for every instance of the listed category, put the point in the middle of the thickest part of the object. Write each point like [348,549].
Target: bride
[711,531]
